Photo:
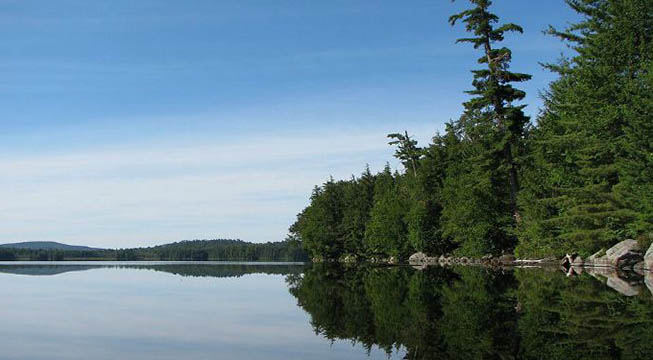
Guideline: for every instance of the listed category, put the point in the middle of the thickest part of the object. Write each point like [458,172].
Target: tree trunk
[498,110]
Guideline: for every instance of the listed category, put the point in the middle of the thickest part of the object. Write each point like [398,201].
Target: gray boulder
[624,254]
[648,280]
[622,286]
[640,268]
[349,259]
[648,258]
[612,278]
[601,273]
[598,259]
[577,262]
[597,255]
[431,261]
[417,258]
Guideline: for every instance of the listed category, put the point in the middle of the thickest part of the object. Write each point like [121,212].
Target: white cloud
[144,195]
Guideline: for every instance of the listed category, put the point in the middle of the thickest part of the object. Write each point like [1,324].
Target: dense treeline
[471,313]
[201,250]
[580,178]
[194,250]
[13,254]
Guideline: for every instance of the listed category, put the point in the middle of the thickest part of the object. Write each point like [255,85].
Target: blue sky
[128,123]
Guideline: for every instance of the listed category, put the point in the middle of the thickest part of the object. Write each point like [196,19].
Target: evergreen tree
[503,124]
[386,233]
[481,186]
[407,150]
[588,185]
[425,222]
[319,226]
[476,214]
[586,170]
[358,201]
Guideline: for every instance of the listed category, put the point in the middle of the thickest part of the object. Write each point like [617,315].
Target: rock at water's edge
[625,253]
[601,273]
[349,259]
[640,268]
[598,259]
[622,286]
[577,262]
[417,258]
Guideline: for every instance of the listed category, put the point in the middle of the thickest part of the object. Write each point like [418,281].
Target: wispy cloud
[141,195]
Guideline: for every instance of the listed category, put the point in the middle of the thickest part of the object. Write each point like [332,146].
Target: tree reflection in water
[475,313]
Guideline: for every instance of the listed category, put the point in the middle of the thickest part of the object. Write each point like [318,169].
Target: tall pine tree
[494,96]
[492,132]
[588,184]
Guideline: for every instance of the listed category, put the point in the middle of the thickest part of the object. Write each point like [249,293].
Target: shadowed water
[289,311]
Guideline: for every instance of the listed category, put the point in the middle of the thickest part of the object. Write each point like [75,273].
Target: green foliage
[578,181]
[579,318]
[481,188]
[386,307]
[472,313]
[407,150]
[382,215]
[335,222]
[476,215]
[233,250]
[320,224]
[480,306]
[194,250]
[588,183]
[386,233]
[7,255]
[425,228]
[358,202]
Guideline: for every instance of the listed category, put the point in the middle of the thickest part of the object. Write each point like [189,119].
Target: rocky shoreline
[624,267]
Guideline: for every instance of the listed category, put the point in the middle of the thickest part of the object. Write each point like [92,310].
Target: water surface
[289,311]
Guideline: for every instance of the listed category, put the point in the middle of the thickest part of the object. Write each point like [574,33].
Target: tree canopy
[579,178]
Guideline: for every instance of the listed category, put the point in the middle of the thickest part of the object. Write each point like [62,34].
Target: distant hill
[189,250]
[46,245]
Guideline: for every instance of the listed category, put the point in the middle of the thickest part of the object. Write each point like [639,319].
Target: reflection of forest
[225,270]
[476,313]
[42,270]
[195,270]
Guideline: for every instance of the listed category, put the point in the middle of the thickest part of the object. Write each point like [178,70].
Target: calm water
[246,311]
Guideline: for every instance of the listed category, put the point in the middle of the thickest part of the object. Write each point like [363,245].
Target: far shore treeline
[578,178]
[190,250]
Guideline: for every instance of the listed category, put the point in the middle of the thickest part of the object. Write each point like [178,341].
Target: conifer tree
[358,200]
[407,150]
[319,226]
[386,232]
[492,107]
[481,184]
[588,184]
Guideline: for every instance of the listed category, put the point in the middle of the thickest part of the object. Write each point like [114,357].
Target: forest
[577,178]
[190,250]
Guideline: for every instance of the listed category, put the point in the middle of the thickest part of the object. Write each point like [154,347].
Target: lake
[292,311]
